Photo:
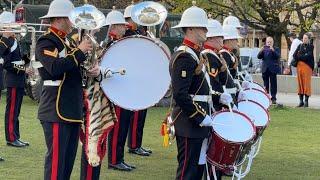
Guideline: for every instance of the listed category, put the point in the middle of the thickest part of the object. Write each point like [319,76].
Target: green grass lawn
[290,149]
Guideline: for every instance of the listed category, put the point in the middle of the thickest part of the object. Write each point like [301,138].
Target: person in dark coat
[270,67]
[305,66]
[191,92]
[14,64]
[61,104]
[135,134]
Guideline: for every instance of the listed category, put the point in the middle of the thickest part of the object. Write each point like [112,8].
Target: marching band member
[235,22]
[216,64]
[61,103]
[230,42]
[117,136]
[191,93]
[14,64]
[116,24]
[135,133]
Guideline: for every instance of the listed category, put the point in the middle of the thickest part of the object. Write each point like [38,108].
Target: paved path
[292,100]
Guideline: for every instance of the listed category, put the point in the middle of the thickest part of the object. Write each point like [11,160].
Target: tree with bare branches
[272,16]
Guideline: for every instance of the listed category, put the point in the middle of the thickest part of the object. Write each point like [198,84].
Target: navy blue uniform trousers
[14,101]
[62,143]
[135,134]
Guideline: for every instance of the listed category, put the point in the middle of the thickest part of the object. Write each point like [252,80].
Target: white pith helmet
[7,17]
[215,29]
[232,21]
[127,11]
[193,17]
[59,8]
[115,17]
[231,32]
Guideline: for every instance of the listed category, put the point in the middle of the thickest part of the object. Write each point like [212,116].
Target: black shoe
[16,143]
[129,165]
[147,150]
[274,102]
[120,167]
[139,152]
[24,142]
[1,159]
[301,104]
[306,101]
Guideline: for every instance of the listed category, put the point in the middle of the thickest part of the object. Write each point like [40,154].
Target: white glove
[245,84]
[248,77]
[226,99]
[207,121]
[242,96]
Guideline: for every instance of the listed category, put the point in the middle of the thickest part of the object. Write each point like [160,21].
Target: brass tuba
[88,19]
[150,14]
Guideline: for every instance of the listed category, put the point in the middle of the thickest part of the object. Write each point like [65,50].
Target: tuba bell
[88,19]
[150,14]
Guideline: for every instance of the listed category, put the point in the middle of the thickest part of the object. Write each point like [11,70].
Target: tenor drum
[258,96]
[232,131]
[147,77]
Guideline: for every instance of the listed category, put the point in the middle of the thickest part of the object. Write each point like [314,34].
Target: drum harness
[236,81]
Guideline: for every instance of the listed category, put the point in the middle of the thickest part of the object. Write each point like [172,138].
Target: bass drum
[146,79]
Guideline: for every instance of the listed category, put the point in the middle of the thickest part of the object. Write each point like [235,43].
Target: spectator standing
[295,42]
[305,66]
[270,67]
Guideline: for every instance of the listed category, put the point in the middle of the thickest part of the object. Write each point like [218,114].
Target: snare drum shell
[221,153]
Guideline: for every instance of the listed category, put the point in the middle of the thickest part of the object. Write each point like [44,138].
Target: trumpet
[22,29]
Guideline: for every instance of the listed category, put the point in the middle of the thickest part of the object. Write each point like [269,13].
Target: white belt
[1,61]
[231,90]
[201,98]
[52,83]
[36,64]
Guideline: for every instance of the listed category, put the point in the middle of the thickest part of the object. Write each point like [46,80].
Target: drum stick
[121,71]
[221,124]
[229,105]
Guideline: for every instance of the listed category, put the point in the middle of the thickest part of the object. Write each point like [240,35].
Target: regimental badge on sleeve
[183,74]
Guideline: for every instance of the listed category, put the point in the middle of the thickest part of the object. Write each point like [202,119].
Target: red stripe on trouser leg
[115,136]
[134,130]
[89,172]
[185,158]
[55,151]
[11,113]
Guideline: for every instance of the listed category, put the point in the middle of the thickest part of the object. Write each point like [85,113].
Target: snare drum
[232,131]
[258,96]
[257,86]
[257,114]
